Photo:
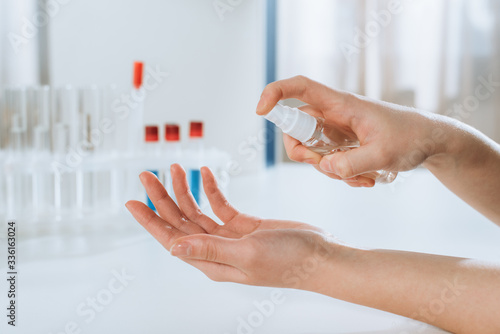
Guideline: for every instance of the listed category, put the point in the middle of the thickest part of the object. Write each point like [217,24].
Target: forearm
[469,165]
[459,295]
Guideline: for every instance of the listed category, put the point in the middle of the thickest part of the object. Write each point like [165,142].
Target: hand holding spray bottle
[318,136]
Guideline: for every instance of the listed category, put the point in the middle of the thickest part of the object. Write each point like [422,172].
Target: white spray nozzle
[292,121]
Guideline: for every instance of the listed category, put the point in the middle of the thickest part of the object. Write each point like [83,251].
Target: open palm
[240,250]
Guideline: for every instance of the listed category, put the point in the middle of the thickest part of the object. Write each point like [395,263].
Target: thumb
[350,163]
[208,248]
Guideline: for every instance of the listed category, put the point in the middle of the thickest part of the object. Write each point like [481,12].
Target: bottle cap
[151,133]
[196,130]
[292,121]
[172,132]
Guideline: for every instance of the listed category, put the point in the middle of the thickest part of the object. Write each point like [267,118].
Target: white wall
[216,66]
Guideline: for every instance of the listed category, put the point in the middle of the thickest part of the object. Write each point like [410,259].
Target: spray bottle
[318,136]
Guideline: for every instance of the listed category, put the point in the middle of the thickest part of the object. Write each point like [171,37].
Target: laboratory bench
[120,280]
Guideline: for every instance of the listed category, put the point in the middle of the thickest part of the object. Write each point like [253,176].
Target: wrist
[329,264]
[445,140]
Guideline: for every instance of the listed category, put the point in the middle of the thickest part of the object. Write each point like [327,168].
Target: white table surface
[416,213]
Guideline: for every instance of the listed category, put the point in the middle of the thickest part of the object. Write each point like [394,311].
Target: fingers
[361,182]
[165,233]
[186,201]
[220,205]
[219,272]
[298,152]
[311,110]
[330,175]
[165,206]
[211,248]
[301,88]
[295,150]
[357,181]
[354,162]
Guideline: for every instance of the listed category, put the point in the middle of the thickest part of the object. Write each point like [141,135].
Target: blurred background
[218,56]
[214,60]
[211,60]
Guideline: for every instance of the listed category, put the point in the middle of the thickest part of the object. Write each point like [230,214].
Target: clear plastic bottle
[318,136]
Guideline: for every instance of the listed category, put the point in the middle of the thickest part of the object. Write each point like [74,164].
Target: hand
[279,253]
[244,249]
[392,137]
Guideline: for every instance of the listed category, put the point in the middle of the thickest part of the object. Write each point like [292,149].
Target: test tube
[3,157]
[107,122]
[3,119]
[113,179]
[3,190]
[31,115]
[64,176]
[102,132]
[66,112]
[173,153]
[65,144]
[43,180]
[152,141]
[90,114]
[18,181]
[4,126]
[18,120]
[135,118]
[41,139]
[86,179]
[42,106]
[196,145]
[172,141]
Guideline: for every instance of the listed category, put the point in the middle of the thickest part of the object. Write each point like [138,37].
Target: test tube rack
[64,160]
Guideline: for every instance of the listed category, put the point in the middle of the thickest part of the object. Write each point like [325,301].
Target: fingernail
[310,162]
[181,249]
[260,105]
